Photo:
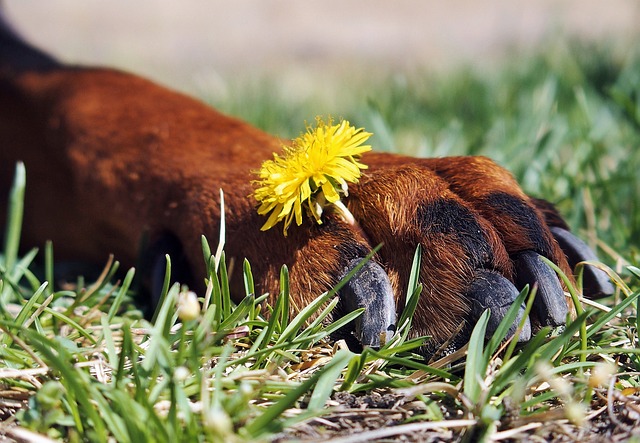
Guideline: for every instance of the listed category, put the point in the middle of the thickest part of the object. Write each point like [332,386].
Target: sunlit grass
[81,364]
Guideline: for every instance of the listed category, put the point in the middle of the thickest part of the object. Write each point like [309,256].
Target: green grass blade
[303,317]
[323,315]
[268,421]
[413,364]
[74,379]
[48,266]
[327,381]
[249,287]
[224,286]
[110,347]
[334,325]
[476,366]
[552,347]
[413,292]
[284,295]
[239,313]
[72,323]
[14,217]
[520,362]
[616,310]
[216,293]
[576,303]
[165,288]
[206,252]
[501,331]
[117,302]
[28,307]
[354,369]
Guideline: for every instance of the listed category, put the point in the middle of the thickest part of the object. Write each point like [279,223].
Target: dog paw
[482,242]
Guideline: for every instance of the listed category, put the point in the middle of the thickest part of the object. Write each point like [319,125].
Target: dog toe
[369,288]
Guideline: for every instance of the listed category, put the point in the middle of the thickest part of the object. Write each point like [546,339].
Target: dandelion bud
[561,386]
[181,373]
[218,421]
[188,306]
[574,412]
[245,389]
[601,373]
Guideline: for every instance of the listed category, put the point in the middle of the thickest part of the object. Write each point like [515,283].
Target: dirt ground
[183,42]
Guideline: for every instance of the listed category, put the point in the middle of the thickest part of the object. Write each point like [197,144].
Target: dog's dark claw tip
[370,289]
[596,283]
[493,291]
[550,307]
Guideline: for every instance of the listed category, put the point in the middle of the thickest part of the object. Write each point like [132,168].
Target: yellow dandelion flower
[313,171]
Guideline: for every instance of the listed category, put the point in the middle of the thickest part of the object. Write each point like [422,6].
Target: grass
[81,364]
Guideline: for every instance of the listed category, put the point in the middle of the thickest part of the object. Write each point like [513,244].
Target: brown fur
[111,156]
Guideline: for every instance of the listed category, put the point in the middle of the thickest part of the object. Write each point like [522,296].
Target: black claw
[370,288]
[550,306]
[493,291]
[595,281]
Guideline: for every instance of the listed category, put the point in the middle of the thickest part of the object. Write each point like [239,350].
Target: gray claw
[370,288]
[595,281]
[550,306]
[491,290]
